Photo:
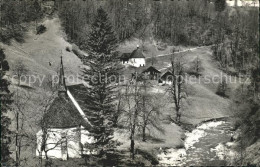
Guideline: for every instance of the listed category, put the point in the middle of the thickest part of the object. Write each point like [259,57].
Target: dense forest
[15,15]
[178,22]
[234,31]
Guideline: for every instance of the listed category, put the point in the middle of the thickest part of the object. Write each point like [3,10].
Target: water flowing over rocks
[202,146]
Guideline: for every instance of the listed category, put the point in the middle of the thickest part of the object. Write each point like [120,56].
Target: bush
[40,29]
[68,49]
[222,89]
[161,46]
[77,51]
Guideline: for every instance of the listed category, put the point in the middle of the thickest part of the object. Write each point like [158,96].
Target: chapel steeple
[62,86]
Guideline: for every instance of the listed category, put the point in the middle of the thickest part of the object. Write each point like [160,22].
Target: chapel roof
[62,113]
[65,111]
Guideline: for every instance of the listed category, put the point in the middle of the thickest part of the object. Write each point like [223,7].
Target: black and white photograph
[129,83]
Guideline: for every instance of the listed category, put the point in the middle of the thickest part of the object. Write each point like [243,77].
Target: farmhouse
[65,127]
[152,73]
[136,58]
[166,77]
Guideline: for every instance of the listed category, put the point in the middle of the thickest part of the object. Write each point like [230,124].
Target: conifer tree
[101,92]
[5,101]
[102,39]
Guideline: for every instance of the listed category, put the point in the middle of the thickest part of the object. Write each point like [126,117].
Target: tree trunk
[16,141]
[46,156]
[132,148]
[178,115]
[144,136]
[40,157]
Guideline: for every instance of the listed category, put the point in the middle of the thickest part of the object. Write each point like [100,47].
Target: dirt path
[182,51]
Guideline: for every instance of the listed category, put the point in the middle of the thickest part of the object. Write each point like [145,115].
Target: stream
[201,146]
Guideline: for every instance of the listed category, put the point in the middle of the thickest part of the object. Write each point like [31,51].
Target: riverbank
[232,153]
[199,146]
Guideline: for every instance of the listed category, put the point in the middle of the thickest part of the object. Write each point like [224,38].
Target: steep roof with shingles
[62,113]
[78,91]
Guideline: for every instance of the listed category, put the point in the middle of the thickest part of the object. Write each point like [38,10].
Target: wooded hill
[233,30]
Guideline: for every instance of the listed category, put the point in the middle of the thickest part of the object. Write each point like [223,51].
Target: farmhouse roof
[151,68]
[65,111]
[165,75]
[125,55]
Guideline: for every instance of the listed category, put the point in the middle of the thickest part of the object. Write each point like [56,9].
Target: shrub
[222,89]
[68,49]
[77,51]
[40,29]
[162,46]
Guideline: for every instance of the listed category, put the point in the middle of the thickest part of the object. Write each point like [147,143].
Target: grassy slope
[38,50]
[202,103]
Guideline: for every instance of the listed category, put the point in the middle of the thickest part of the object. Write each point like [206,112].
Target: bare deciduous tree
[176,89]
[150,109]
[20,70]
[196,67]
[21,99]
[130,116]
